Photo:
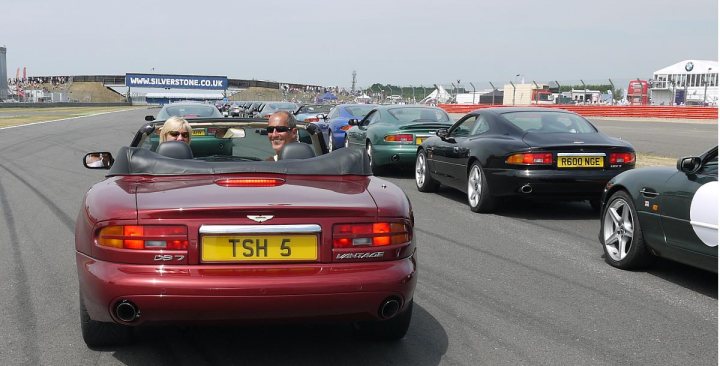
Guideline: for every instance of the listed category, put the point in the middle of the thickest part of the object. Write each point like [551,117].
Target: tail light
[250,182]
[312,119]
[530,159]
[622,158]
[402,138]
[369,235]
[142,237]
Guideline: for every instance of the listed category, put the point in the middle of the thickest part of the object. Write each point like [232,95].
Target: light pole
[706,83]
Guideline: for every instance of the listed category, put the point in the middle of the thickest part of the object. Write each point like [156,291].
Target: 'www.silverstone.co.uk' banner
[176,81]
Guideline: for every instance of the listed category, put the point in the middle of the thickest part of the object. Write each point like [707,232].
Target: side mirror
[689,164]
[353,122]
[442,133]
[98,160]
[149,118]
[321,116]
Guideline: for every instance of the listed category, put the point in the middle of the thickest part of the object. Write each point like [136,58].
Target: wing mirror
[98,160]
[689,164]
[442,133]
[149,118]
[353,122]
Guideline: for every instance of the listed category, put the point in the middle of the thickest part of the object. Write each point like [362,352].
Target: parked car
[390,134]
[312,112]
[177,234]
[337,122]
[271,107]
[186,110]
[525,152]
[670,212]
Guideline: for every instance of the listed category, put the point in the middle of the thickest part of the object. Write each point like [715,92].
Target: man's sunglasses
[176,134]
[270,129]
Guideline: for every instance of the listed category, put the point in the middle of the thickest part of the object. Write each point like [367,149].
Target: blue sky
[402,42]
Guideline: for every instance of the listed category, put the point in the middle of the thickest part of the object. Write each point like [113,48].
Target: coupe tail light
[622,158]
[373,234]
[530,159]
[144,237]
[250,182]
[403,138]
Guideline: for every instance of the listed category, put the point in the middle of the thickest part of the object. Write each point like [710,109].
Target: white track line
[64,119]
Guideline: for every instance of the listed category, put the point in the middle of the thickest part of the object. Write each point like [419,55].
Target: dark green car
[391,133]
[663,211]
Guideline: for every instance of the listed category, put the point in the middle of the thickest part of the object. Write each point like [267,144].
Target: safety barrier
[680,112]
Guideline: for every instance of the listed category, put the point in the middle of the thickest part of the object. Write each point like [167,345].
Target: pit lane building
[689,82]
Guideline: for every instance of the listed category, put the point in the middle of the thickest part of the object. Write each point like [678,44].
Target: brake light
[144,237]
[403,138]
[530,159]
[373,234]
[312,119]
[622,158]
[250,182]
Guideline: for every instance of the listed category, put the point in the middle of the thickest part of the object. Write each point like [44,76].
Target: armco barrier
[680,112]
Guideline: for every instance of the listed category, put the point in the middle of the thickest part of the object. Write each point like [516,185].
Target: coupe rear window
[195,111]
[419,115]
[549,122]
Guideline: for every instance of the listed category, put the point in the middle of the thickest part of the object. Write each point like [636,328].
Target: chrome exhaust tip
[389,308]
[526,189]
[126,311]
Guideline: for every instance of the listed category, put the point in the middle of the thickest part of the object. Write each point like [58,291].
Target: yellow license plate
[200,132]
[233,248]
[419,140]
[580,161]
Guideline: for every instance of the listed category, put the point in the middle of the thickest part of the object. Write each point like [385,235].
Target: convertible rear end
[252,241]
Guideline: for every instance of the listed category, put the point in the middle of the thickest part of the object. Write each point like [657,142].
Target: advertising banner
[176,81]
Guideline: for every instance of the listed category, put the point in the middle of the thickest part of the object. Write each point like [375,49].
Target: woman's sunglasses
[176,134]
[270,129]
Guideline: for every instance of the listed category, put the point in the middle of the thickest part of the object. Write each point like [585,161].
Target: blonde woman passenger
[176,129]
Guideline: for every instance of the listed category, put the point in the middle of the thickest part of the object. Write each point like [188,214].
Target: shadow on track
[294,344]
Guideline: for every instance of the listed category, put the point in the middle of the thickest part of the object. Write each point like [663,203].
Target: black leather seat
[175,150]
[296,150]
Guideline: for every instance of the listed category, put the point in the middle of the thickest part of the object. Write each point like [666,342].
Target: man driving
[281,129]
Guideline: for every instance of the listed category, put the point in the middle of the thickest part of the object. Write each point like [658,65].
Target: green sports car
[390,133]
[663,211]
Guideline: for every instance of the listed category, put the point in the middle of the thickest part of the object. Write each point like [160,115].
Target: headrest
[296,150]
[175,150]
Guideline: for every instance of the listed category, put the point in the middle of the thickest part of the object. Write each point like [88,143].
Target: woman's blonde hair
[175,123]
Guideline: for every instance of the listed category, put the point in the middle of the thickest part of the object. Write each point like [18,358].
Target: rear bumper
[570,184]
[198,293]
[394,154]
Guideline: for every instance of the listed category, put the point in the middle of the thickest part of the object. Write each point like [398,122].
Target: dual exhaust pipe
[128,312]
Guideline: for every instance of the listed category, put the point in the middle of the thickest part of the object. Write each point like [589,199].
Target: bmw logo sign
[689,66]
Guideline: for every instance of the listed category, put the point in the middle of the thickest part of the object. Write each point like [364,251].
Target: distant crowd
[37,82]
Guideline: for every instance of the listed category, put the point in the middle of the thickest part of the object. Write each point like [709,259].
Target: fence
[680,112]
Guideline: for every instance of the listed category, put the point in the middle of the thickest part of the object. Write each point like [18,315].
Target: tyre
[101,334]
[373,166]
[423,180]
[330,145]
[386,330]
[622,239]
[478,191]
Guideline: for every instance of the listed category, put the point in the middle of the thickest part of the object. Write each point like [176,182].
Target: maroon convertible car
[212,232]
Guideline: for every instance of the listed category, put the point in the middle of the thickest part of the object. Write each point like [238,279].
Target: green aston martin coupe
[390,133]
[663,211]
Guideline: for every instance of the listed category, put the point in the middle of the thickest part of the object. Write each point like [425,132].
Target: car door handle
[648,192]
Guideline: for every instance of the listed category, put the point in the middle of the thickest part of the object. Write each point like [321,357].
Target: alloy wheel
[474,186]
[618,228]
[420,167]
